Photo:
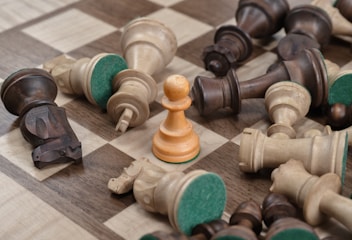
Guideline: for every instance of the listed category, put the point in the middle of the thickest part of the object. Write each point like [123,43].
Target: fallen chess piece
[307,68]
[91,77]
[280,216]
[176,141]
[306,26]
[286,103]
[320,154]
[30,94]
[233,44]
[187,199]
[148,46]
[318,196]
[245,223]
[340,25]
[345,8]
[200,232]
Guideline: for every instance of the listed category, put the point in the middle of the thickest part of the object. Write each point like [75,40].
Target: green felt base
[103,74]
[202,201]
[294,234]
[148,237]
[341,90]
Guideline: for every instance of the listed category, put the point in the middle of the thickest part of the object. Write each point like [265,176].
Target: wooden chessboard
[69,201]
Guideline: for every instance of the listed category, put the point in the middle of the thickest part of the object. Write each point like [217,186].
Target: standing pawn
[176,141]
[246,223]
[279,216]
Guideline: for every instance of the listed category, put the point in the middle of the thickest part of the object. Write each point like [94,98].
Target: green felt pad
[341,90]
[294,234]
[148,237]
[202,201]
[104,72]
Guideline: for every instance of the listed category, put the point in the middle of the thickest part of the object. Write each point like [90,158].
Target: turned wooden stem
[307,68]
[320,154]
[319,196]
[261,18]
[232,44]
[286,103]
[91,77]
[148,46]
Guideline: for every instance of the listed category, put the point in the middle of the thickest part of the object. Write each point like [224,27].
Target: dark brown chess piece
[306,26]
[339,116]
[307,68]
[30,94]
[280,217]
[245,223]
[233,44]
[345,8]
[203,231]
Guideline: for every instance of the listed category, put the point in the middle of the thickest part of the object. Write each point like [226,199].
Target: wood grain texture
[73,201]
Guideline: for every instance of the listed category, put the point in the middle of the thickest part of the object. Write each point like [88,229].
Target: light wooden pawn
[319,154]
[286,103]
[175,141]
[187,199]
[91,77]
[148,46]
[340,25]
[318,196]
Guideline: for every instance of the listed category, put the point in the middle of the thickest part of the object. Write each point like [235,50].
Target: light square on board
[69,30]
[13,13]
[29,217]
[133,220]
[184,27]
[17,150]
[137,142]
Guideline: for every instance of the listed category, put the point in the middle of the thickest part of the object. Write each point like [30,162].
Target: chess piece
[286,102]
[176,141]
[333,70]
[245,223]
[320,154]
[91,77]
[316,132]
[232,44]
[345,8]
[339,116]
[340,25]
[30,94]
[203,231]
[307,68]
[318,196]
[187,199]
[280,217]
[306,26]
[148,46]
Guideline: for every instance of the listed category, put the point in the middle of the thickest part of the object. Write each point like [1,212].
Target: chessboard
[72,201]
